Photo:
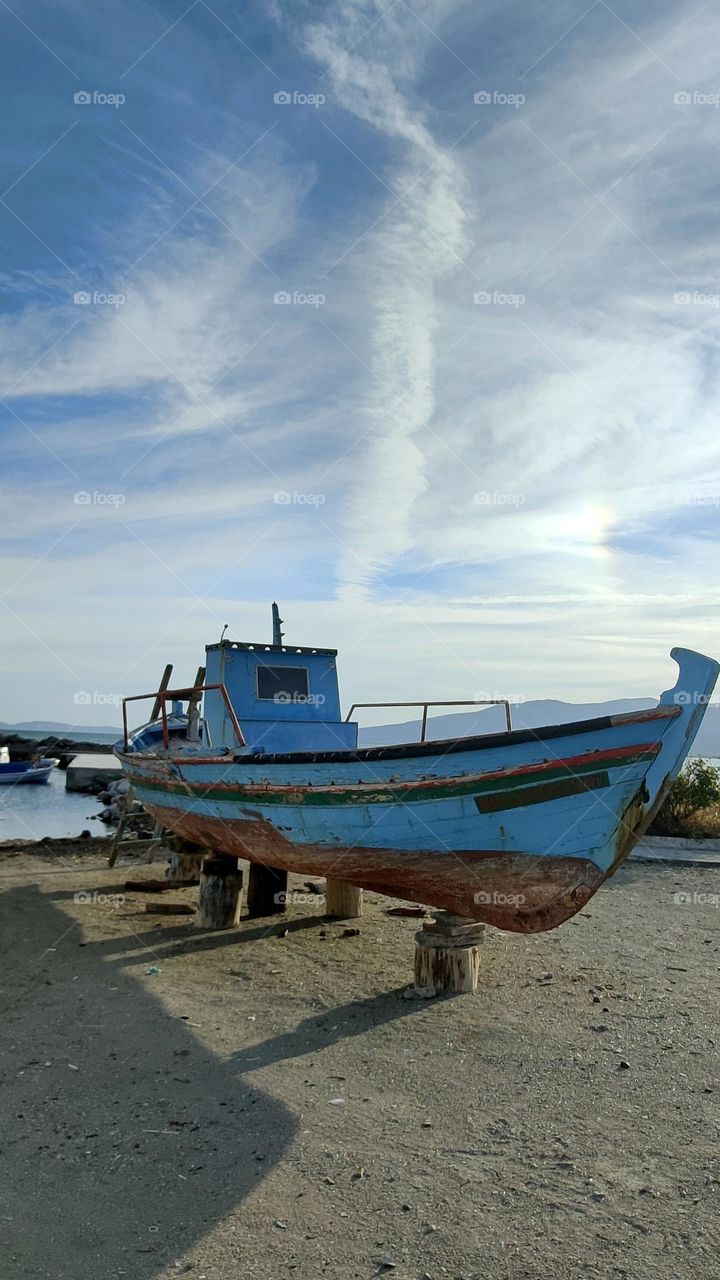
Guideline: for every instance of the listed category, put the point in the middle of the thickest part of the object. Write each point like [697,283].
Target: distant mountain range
[532,715]
[54,726]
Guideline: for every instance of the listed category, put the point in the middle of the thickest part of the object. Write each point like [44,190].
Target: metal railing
[463,702]
[191,695]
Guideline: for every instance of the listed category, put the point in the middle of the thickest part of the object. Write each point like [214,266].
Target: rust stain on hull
[522,893]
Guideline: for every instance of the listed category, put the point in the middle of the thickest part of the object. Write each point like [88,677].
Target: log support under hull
[186,859]
[343,901]
[220,894]
[267,891]
[447,956]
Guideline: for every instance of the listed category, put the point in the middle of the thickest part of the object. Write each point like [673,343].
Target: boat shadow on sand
[126,1140]
[319,1031]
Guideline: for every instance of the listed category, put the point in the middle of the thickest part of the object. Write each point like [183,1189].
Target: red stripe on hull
[606,758]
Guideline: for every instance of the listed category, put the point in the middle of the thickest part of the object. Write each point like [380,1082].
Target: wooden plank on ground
[169,909]
[157,886]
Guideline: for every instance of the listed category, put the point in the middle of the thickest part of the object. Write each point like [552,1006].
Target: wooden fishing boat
[517,829]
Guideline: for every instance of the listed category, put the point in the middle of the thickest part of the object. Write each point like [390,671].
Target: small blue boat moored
[517,829]
[14,772]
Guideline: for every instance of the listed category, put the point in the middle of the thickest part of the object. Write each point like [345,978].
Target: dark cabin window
[283,684]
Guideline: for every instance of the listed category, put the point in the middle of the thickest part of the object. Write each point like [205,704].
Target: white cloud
[418,242]
[586,415]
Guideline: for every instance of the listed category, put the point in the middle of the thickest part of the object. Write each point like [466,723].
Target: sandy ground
[268,1105]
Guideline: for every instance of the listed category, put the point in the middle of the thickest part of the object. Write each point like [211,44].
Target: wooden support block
[184,867]
[447,956]
[185,860]
[342,900]
[219,897]
[267,891]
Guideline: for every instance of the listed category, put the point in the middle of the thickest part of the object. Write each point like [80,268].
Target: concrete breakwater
[92,772]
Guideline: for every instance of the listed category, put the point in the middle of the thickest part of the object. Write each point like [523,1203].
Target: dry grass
[704,824]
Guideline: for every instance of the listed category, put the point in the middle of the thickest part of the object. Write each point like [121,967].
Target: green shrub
[696,790]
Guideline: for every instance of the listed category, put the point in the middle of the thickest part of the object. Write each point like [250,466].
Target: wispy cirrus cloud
[494,361]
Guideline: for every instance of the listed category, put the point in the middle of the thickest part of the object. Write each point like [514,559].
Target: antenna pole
[277,624]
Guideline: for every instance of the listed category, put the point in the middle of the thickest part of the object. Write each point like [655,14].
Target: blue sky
[406,315]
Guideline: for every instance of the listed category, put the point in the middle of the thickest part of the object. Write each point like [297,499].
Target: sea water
[32,810]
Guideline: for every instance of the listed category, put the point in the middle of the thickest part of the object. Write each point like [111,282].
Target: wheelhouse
[285,697]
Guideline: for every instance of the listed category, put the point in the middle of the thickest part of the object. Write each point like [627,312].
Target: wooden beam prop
[219,896]
[161,689]
[447,956]
[117,838]
[193,711]
[343,901]
[267,891]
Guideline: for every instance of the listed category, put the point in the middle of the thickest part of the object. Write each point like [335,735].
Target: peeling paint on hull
[518,892]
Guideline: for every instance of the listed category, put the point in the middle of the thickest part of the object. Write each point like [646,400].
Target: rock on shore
[22,748]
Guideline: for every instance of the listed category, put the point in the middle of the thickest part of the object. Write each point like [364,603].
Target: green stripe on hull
[541,793]
[372,794]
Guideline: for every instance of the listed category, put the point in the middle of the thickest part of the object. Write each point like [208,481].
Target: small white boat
[14,772]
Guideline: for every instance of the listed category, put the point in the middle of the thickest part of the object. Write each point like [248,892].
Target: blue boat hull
[516,829]
[23,772]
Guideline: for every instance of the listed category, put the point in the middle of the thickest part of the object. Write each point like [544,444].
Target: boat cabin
[263,699]
[285,697]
